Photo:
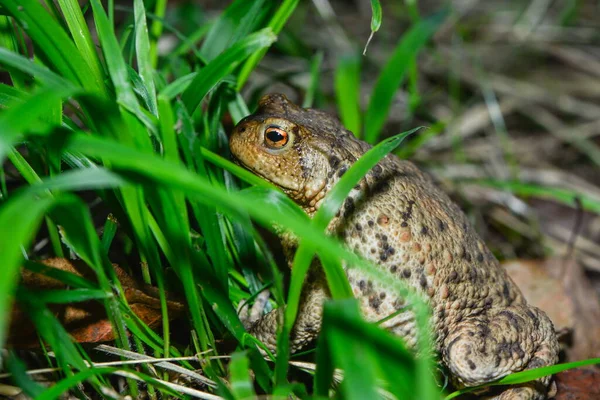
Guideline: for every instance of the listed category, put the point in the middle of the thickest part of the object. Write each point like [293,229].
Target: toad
[400,220]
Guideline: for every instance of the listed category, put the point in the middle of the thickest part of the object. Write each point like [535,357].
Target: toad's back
[397,218]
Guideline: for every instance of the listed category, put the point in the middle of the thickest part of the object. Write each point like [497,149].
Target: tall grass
[94,109]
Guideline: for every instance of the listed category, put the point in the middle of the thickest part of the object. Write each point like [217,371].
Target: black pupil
[275,136]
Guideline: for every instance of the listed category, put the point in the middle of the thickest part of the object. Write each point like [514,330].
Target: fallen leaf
[578,384]
[86,321]
[561,289]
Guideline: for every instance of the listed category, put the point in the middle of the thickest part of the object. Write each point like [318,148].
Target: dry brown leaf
[578,384]
[86,322]
[561,289]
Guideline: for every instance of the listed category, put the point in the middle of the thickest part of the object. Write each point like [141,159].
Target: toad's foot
[489,346]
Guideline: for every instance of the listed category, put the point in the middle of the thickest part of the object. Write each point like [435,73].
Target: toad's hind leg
[489,346]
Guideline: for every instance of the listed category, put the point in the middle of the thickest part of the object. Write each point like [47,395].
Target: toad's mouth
[254,171]
[298,194]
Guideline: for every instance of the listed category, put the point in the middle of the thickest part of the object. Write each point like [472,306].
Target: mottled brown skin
[397,218]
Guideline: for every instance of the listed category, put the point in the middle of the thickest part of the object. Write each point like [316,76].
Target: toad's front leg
[308,323]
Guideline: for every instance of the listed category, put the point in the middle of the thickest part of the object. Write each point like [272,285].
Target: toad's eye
[275,137]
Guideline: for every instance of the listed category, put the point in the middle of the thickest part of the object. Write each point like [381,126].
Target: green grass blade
[237,21]
[53,42]
[336,278]
[355,173]
[156,29]
[12,123]
[276,24]
[376,16]
[365,352]
[273,207]
[223,65]
[70,296]
[178,86]
[82,38]
[24,227]
[9,94]
[68,278]
[565,196]
[117,68]
[313,86]
[18,370]
[39,72]
[56,390]
[347,92]
[142,52]
[239,373]
[394,72]
[529,375]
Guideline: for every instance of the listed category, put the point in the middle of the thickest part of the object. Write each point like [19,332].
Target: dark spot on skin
[342,171]
[441,314]
[377,236]
[374,302]
[423,281]
[334,162]
[370,223]
[373,250]
[471,334]
[471,364]
[497,360]
[453,276]
[467,257]
[376,170]
[518,350]
[484,330]
[404,224]
[383,257]
[480,257]
[472,274]
[408,213]
[488,303]
[349,206]
[385,245]
[357,186]
[535,362]
[406,272]
[384,238]
[391,251]
[424,230]
[243,129]
[441,225]
[513,320]
[382,295]
[362,284]
[358,227]
[393,268]
[505,290]
[381,186]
